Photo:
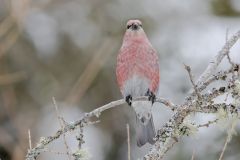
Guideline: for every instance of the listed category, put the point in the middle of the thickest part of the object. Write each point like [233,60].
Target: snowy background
[68,48]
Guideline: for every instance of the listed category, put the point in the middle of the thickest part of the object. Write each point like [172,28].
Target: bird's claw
[151,96]
[129,100]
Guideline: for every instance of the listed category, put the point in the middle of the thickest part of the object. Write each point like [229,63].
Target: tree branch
[175,128]
[44,141]
[218,58]
[172,126]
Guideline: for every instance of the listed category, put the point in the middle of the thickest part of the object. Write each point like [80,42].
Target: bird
[137,73]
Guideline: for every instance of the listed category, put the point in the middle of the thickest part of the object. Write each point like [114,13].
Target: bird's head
[134,25]
[134,31]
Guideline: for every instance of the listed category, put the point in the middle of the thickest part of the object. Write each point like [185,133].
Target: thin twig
[29,139]
[207,124]
[80,135]
[224,148]
[62,124]
[228,56]
[128,141]
[94,122]
[226,36]
[228,138]
[193,155]
[188,68]
[54,152]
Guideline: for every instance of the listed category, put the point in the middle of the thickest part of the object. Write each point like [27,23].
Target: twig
[98,111]
[222,75]
[54,152]
[94,122]
[228,138]
[226,35]
[228,56]
[62,123]
[79,137]
[193,155]
[128,141]
[224,148]
[229,59]
[191,79]
[207,124]
[29,139]
[225,100]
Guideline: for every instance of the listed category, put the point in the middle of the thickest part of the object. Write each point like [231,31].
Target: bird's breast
[137,69]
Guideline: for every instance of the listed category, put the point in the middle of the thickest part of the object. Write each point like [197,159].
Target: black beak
[134,27]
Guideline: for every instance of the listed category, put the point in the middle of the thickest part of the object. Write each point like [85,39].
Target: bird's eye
[128,26]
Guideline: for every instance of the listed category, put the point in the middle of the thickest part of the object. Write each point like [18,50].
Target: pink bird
[138,75]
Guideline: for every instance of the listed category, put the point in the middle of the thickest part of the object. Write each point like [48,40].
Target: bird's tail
[145,132]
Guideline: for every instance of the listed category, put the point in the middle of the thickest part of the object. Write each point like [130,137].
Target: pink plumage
[138,74]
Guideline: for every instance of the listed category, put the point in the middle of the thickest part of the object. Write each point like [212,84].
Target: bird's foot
[129,100]
[151,96]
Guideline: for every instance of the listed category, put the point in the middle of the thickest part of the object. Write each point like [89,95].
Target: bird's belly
[135,86]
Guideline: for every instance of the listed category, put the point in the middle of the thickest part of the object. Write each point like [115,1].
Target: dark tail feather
[145,132]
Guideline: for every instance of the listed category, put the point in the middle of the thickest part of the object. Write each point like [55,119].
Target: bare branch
[218,58]
[99,110]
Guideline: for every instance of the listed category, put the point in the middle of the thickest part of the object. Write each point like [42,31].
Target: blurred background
[67,49]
